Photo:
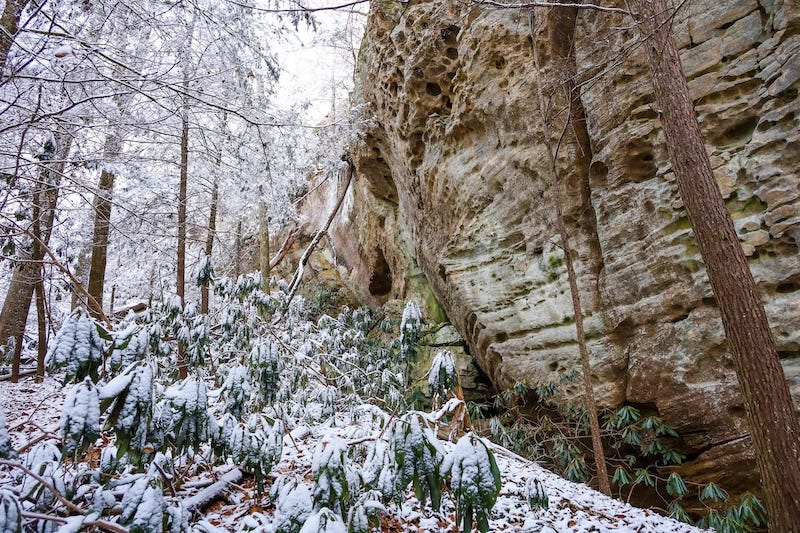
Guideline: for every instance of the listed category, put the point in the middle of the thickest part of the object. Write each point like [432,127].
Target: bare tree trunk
[180,281]
[14,314]
[80,267]
[180,288]
[9,25]
[41,320]
[102,224]
[566,53]
[263,241]
[212,230]
[773,424]
[38,268]
[237,260]
[17,358]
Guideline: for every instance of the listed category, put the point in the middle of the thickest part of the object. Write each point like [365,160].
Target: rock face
[453,201]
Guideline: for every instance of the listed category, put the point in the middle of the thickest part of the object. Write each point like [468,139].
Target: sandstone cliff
[451,204]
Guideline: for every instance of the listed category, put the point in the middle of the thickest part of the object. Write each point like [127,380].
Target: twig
[22,449]
[71,506]
[300,8]
[167,478]
[100,524]
[361,440]
[389,420]
[552,4]
[30,417]
[77,284]
[289,433]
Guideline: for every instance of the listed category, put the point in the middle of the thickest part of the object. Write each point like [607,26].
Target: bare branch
[77,284]
[300,8]
[524,5]
[298,275]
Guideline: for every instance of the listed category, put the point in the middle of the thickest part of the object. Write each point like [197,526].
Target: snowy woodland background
[128,127]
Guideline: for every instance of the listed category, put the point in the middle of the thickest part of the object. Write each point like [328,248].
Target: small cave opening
[450,35]
[788,287]
[380,278]
[433,89]
[740,132]
[639,161]
[499,62]
[379,177]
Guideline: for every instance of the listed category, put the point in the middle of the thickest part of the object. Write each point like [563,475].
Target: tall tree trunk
[263,241]
[41,320]
[102,224]
[212,230]
[180,281]
[180,288]
[14,314]
[9,25]
[774,428]
[237,259]
[80,268]
[565,53]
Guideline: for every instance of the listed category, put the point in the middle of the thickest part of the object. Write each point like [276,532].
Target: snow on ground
[33,410]
[573,507]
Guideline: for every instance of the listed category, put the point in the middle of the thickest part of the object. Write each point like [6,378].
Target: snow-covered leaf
[80,418]
[6,446]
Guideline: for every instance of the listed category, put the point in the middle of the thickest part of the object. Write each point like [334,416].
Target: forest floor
[32,412]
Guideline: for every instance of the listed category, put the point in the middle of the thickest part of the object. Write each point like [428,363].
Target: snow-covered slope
[32,411]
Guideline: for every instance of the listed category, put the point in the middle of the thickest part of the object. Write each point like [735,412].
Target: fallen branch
[101,524]
[298,275]
[30,372]
[211,493]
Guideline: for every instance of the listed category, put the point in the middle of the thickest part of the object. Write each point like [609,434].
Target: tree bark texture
[180,283]
[102,225]
[768,404]
[27,271]
[41,321]
[212,230]
[263,245]
[9,25]
[237,255]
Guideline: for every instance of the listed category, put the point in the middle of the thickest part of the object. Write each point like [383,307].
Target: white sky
[314,62]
